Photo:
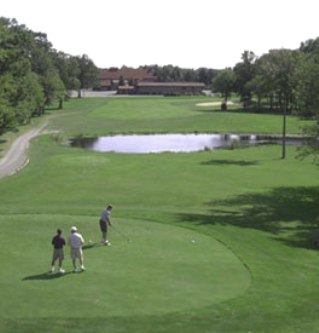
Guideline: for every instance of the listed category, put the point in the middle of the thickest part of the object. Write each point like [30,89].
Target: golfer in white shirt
[76,241]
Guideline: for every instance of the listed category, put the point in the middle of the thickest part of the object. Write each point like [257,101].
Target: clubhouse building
[143,82]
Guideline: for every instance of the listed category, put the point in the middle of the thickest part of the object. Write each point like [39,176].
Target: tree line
[282,81]
[170,73]
[33,75]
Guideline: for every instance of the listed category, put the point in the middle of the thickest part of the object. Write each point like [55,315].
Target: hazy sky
[185,33]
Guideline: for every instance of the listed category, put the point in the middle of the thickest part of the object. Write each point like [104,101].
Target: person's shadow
[57,275]
[46,276]
[91,246]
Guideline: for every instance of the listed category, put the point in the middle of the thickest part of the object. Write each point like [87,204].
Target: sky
[184,33]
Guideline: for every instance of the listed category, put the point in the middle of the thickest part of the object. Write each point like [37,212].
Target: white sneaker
[75,270]
[106,243]
[61,270]
[52,269]
[82,268]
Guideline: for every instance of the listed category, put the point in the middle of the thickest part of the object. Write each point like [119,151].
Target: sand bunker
[213,104]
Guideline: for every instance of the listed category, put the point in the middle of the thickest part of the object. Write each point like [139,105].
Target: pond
[157,143]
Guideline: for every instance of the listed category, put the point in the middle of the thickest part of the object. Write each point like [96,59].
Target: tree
[307,83]
[53,87]
[35,94]
[224,84]
[68,70]
[21,95]
[277,70]
[307,87]
[245,72]
[7,118]
[34,75]
[87,73]
[205,75]
[43,64]
[310,46]
[311,146]
[189,75]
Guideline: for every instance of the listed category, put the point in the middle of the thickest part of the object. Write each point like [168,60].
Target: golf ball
[193,241]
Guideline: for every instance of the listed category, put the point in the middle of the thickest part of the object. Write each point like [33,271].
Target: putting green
[162,269]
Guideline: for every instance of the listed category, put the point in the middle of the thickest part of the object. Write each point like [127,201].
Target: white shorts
[76,253]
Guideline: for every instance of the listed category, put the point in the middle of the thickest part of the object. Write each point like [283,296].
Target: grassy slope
[262,208]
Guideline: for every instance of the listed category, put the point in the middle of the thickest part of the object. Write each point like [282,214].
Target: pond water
[156,143]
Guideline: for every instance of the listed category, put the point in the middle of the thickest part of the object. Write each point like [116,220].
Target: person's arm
[108,221]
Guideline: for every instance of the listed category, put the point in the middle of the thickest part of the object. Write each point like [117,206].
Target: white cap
[74,228]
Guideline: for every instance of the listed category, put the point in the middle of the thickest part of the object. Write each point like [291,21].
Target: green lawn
[162,114]
[218,241]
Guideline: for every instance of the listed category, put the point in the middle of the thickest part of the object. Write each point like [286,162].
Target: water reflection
[157,143]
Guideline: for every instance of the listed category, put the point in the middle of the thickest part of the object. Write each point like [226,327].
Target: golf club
[121,233]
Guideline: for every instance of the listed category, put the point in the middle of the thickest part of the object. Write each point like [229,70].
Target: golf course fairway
[158,269]
[215,241]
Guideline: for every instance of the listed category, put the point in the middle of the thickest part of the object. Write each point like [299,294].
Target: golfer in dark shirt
[105,221]
[58,242]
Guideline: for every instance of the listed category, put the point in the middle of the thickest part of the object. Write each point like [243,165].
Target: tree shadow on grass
[46,276]
[291,213]
[229,162]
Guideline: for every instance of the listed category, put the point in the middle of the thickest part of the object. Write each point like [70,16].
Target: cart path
[16,157]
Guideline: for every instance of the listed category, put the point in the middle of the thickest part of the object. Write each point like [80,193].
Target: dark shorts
[103,226]
[58,254]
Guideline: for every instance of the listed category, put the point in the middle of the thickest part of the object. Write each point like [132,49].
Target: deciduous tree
[224,83]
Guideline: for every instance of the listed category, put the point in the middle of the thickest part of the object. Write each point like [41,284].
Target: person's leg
[105,240]
[81,258]
[103,227]
[61,258]
[54,258]
[73,257]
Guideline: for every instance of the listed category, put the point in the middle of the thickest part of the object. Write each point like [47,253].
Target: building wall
[169,90]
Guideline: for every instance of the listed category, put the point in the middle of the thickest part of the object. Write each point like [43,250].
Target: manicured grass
[253,217]
[161,114]
[160,269]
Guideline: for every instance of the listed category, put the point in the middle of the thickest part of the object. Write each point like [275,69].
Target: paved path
[16,156]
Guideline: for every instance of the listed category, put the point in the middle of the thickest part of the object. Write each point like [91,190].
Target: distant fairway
[162,269]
